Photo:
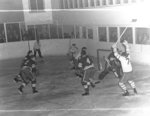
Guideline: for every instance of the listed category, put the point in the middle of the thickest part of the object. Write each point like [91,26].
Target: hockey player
[27,75]
[124,59]
[86,64]
[79,72]
[24,62]
[112,64]
[73,52]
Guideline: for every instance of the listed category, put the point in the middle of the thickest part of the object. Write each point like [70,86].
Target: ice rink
[60,92]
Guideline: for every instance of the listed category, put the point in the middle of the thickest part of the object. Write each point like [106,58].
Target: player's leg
[86,89]
[33,83]
[24,82]
[20,89]
[79,73]
[106,70]
[39,52]
[35,53]
[103,74]
[132,84]
[32,79]
[123,86]
[74,63]
[88,80]
[85,84]
[35,71]
[91,77]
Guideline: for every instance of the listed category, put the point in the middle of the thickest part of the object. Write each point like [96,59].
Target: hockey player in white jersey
[124,59]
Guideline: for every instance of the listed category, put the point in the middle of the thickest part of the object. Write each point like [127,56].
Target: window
[133,1]
[125,1]
[110,2]
[53,31]
[71,3]
[117,2]
[84,33]
[75,4]
[2,34]
[86,3]
[92,3]
[23,31]
[128,35]
[102,33]
[97,2]
[68,31]
[81,3]
[142,35]
[13,32]
[60,33]
[113,34]
[103,2]
[66,4]
[42,31]
[61,4]
[31,32]
[36,5]
[77,31]
[90,33]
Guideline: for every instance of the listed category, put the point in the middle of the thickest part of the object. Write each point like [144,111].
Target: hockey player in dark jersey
[27,57]
[27,75]
[87,66]
[112,64]
[126,65]
[24,62]
[79,70]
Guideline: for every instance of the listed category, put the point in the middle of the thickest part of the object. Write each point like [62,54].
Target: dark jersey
[25,60]
[85,61]
[114,62]
[26,74]
[31,63]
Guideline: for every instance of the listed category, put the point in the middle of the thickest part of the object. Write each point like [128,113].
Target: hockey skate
[135,91]
[86,92]
[126,93]
[34,91]
[20,90]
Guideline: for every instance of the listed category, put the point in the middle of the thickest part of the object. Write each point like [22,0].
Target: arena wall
[49,47]
[139,53]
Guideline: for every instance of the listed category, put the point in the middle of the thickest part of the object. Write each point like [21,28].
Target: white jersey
[125,63]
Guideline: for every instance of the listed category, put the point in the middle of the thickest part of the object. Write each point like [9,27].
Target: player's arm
[116,54]
[88,63]
[125,43]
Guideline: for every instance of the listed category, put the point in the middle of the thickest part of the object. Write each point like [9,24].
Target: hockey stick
[121,35]
[133,20]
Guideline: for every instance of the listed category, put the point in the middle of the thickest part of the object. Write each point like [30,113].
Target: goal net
[101,54]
